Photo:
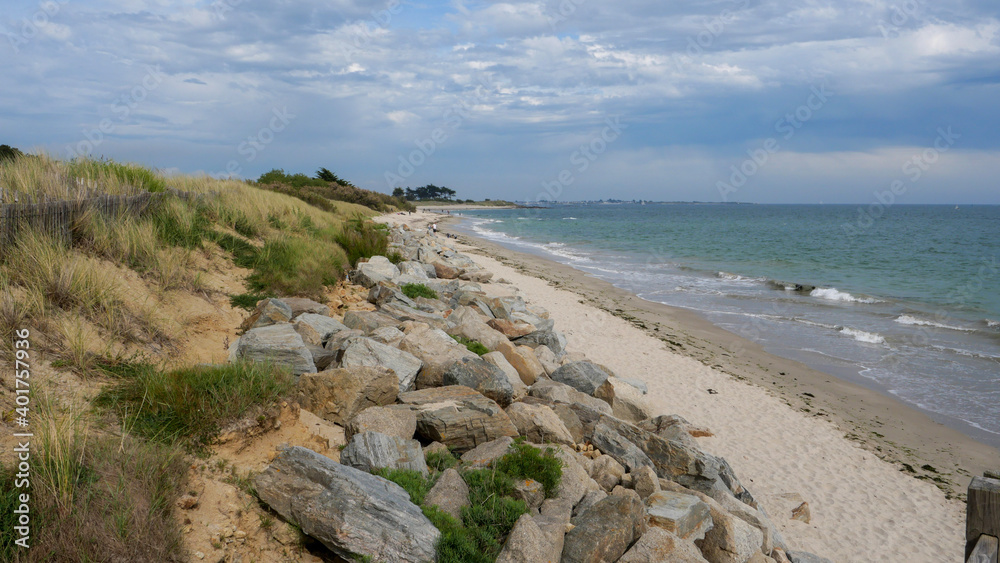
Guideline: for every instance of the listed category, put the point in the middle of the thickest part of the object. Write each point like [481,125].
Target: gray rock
[317,329]
[530,491]
[361,351]
[278,344]
[645,482]
[628,403]
[458,416]
[669,427]
[554,340]
[547,358]
[267,313]
[589,500]
[374,450]
[526,543]
[337,339]
[607,472]
[562,393]
[449,493]
[405,313]
[806,557]
[518,386]
[436,349]
[300,305]
[376,269]
[575,482]
[368,321]
[414,269]
[606,531]
[685,516]
[502,307]
[609,441]
[476,329]
[539,424]
[321,357]
[482,376]
[658,545]
[384,293]
[349,511]
[731,540]
[640,385]
[485,454]
[586,377]
[338,394]
[388,335]
[553,520]
[399,422]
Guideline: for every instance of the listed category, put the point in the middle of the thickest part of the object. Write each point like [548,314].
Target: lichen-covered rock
[530,491]
[373,450]
[338,394]
[349,511]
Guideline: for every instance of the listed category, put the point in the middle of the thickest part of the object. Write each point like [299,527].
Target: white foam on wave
[862,336]
[736,277]
[569,218]
[914,321]
[992,324]
[833,294]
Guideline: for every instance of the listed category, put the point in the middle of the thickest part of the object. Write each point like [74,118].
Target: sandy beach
[784,427]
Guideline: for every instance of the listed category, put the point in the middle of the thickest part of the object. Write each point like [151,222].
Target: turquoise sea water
[907,302]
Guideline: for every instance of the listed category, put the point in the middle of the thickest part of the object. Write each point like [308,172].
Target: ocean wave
[908,320]
[569,218]
[992,324]
[862,336]
[493,235]
[968,353]
[736,277]
[833,294]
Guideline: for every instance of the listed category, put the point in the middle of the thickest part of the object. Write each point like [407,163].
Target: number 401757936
[22,372]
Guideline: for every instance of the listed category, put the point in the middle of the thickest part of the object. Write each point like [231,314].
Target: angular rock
[267,313]
[628,403]
[607,472]
[450,493]
[317,329]
[368,321]
[612,443]
[640,385]
[526,543]
[388,335]
[376,269]
[399,422]
[554,340]
[485,454]
[436,349]
[562,393]
[458,416]
[349,511]
[374,450]
[384,293]
[530,491]
[658,545]
[482,376]
[539,424]
[278,344]
[361,351]
[575,482]
[645,482]
[300,305]
[446,272]
[670,427]
[586,377]
[753,516]
[589,500]
[685,516]
[338,394]
[321,357]
[518,386]
[405,313]
[606,531]
[478,276]
[524,361]
[414,269]
[338,338]
[731,540]
[553,520]
[806,557]
[511,329]
[547,358]
[502,307]
[476,329]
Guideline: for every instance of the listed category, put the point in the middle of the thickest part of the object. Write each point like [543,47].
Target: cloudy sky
[747,100]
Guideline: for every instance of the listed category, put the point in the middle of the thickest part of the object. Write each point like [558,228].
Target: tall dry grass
[37,177]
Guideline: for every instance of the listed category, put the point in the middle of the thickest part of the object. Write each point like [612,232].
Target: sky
[780,101]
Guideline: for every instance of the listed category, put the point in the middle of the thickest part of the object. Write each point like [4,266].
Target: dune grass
[414,290]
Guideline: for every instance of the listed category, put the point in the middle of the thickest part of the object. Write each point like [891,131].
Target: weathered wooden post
[982,519]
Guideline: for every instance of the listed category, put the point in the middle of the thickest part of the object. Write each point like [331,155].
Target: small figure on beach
[435,227]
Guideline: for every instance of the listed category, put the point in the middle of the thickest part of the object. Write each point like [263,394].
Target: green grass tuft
[492,512]
[247,301]
[439,461]
[192,404]
[299,266]
[362,239]
[414,290]
[528,462]
[411,480]
[473,346]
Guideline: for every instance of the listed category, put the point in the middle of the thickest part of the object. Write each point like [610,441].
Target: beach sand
[778,439]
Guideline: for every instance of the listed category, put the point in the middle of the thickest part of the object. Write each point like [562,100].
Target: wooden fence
[58,218]
[982,519]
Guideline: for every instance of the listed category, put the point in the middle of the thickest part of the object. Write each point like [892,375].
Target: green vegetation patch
[473,346]
[362,239]
[414,290]
[439,461]
[192,404]
[296,265]
[528,462]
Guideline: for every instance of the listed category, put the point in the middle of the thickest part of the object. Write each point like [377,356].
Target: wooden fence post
[982,517]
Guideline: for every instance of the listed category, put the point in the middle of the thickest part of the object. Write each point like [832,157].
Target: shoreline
[896,432]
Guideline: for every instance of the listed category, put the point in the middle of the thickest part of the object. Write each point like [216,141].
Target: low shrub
[473,346]
[492,512]
[414,290]
[528,462]
[362,239]
[439,461]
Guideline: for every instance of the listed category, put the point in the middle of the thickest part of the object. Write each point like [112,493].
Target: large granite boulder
[277,344]
[376,269]
[554,340]
[338,394]
[485,454]
[300,305]
[267,313]
[511,329]
[373,450]
[586,377]
[628,403]
[503,307]
[605,532]
[406,313]
[658,545]
[731,539]
[361,351]
[368,321]
[436,350]
[685,516]
[561,393]
[384,293]
[391,420]
[449,493]
[526,543]
[524,361]
[607,472]
[457,416]
[476,329]
[316,329]
[482,376]
[518,386]
[351,512]
[539,424]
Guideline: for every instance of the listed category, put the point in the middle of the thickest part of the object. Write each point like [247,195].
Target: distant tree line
[8,152]
[430,191]
[325,187]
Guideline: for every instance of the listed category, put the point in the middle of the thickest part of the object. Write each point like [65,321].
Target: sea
[904,300]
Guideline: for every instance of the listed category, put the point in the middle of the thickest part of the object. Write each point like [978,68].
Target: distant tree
[9,152]
[398,192]
[327,176]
